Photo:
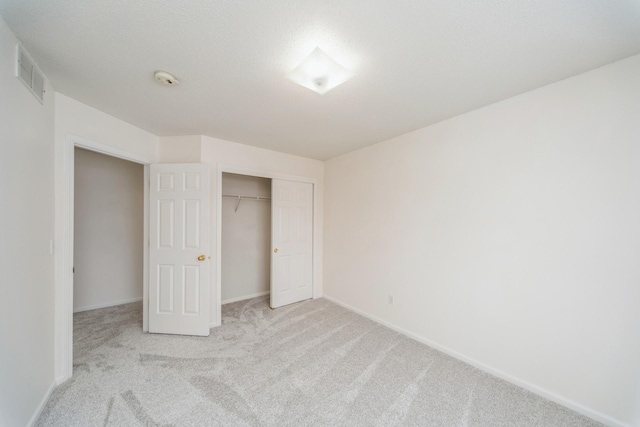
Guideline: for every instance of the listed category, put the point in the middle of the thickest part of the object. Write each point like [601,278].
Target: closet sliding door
[292,242]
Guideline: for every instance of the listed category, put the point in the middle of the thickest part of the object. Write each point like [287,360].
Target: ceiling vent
[29,74]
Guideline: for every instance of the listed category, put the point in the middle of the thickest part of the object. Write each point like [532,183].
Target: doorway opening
[108,231]
[65,251]
[108,243]
[246,237]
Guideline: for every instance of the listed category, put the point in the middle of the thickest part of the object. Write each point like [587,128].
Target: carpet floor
[307,364]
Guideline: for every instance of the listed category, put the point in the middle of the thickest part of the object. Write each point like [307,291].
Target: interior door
[292,242]
[179,253]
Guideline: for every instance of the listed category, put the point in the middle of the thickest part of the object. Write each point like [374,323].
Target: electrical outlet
[390,299]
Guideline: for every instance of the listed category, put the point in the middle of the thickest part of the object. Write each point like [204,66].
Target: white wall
[108,230]
[246,238]
[180,149]
[509,236]
[26,213]
[77,119]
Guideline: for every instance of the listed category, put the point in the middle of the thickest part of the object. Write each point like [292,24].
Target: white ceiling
[416,61]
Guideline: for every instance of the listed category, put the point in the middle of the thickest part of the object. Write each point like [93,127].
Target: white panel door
[292,242]
[179,253]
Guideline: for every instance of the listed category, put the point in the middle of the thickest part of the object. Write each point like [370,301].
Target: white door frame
[223,168]
[64,300]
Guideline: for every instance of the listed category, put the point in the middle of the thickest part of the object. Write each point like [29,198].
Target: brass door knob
[275,251]
[201,258]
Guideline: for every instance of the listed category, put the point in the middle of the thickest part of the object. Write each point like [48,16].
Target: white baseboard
[105,305]
[43,402]
[242,298]
[61,379]
[581,409]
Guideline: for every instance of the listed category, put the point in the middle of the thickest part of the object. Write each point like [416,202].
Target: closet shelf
[240,198]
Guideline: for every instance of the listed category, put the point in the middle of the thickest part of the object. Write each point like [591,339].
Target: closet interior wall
[108,231]
[246,237]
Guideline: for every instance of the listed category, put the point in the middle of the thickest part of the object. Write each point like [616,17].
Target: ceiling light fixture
[319,72]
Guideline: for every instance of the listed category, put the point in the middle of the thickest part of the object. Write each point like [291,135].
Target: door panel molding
[179,253]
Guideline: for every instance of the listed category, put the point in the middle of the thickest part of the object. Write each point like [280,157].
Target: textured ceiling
[417,62]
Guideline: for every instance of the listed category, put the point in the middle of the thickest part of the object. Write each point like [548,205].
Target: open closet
[108,230]
[246,237]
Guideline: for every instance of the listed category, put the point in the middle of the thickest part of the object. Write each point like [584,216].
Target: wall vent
[28,73]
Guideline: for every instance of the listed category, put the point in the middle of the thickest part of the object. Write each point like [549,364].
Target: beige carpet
[312,363]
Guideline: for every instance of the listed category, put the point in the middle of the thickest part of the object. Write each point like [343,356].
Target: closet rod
[230,196]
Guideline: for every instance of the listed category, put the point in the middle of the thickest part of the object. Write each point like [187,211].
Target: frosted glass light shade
[319,72]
